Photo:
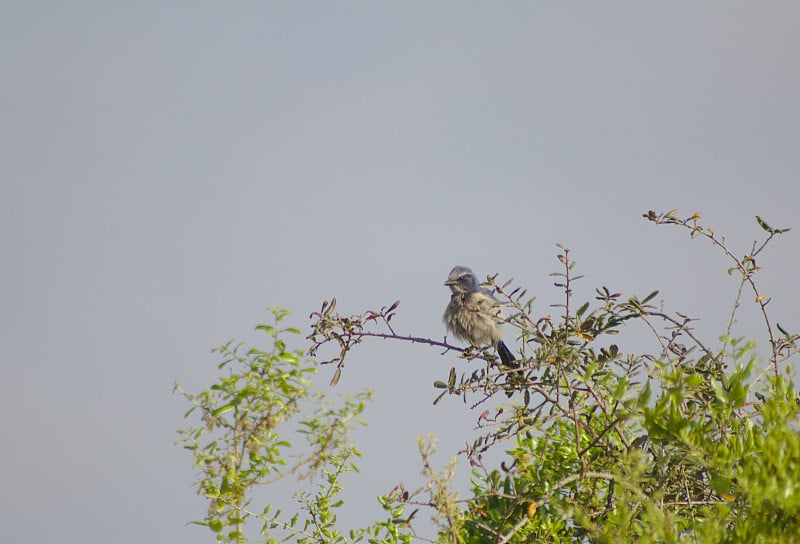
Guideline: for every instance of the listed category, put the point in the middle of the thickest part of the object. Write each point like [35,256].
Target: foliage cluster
[693,441]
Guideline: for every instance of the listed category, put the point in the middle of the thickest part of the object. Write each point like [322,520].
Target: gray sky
[170,169]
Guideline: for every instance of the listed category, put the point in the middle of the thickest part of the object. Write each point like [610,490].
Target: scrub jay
[473,314]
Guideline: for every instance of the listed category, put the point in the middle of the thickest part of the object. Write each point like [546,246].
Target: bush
[694,441]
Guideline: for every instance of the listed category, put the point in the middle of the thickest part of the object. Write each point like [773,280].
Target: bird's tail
[505,354]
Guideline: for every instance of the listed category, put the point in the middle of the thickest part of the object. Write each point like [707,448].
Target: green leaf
[270,330]
[644,396]
[650,297]
[287,356]
[719,392]
[763,225]
[222,409]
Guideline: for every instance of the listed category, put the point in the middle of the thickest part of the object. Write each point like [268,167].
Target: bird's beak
[449,282]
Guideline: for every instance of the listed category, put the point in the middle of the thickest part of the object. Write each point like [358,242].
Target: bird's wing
[484,301]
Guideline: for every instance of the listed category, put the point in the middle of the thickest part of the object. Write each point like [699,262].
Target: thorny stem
[415,340]
[746,266]
[572,399]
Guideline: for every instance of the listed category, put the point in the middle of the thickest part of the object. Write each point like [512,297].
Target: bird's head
[462,280]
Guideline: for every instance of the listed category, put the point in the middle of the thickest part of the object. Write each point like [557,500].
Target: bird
[473,314]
